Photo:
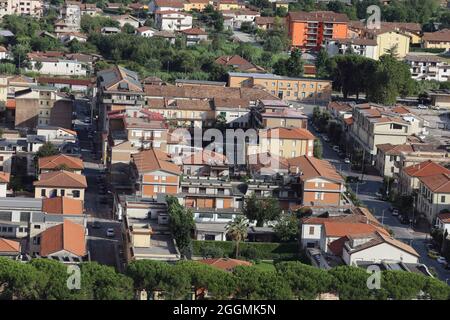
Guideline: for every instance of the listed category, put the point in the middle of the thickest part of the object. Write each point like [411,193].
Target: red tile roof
[62,205]
[424,169]
[311,167]
[437,183]
[9,246]
[152,160]
[68,236]
[63,179]
[444,217]
[287,133]
[56,161]
[4,177]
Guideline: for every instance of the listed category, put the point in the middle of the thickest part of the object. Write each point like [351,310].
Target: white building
[145,31]
[32,8]
[173,20]
[240,16]
[364,47]
[165,5]
[443,222]
[428,67]
[56,135]
[58,67]
[124,19]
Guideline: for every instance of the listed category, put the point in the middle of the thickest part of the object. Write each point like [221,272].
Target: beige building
[433,195]
[437,40]
[410,175]
[389,40]
[60,184]
[303,89]
[286,142]
[440,98]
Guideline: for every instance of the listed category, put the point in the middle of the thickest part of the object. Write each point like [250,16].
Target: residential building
[197,5]
[287,142]
[194,36]
[57,66]
[267,23]
[58,162]
[440,98]
[42,105]
[153,173]
[32,8]
[172,20]
[144,133]
[285,88]
[65,242]
[320,183]
[442,222]
[367,48]
[126,19]
[310,30]
[74,85]
[166,5]
[409,176]
[60,183]
[145,31]
[428,67]
[4,180]
[109,30]
[9,248]
[240,16]
[437,40]
[389,40]
[57,135]
[239,64]
[286,117]
[222,5]
[433,195]
[204,163]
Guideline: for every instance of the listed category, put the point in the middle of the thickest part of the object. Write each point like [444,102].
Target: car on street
[441,260]
[110,233]
[347,160]
[336,148]
[352,179]
[395,212]
[422,106]
[87,120]
[433,254]
[435,108]
[378,195]
[326,139]
[96,225]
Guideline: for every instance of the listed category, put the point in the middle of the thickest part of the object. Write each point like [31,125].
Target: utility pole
[382,217]
[362,164]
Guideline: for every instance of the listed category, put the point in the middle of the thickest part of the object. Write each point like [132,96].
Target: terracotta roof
[441,36]
[56,161]
[225,264]
[401,110]
[287,133]
[238,62]
[337,229]
[337,246]
[169,3]
[9,246]
[320,16]
[311,167]
[207,157]
[444,217]
[64,179]
[340,106]
[81,82]
[437,183]
[153,159]
[194,31]
[4,177]
[394,149]
[267,161]
[68,236]
[424,169]
[62,205]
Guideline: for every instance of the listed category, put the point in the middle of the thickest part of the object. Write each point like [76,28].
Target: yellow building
[198,5]
[389,40]
[304,89]
[228,5]
[437,40]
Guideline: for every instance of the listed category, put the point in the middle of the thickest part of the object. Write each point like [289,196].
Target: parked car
[325,138]
[110,233]
[352,179]
[433,254]
[87,120]
[347,160]
[395,212]
[422,106]
[435,108]
[336,148]
[441,260]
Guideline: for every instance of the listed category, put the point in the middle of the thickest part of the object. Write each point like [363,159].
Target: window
[155,188]
[76,193]
[311,230]
[63,192]
[163,178]
[210,237]
[43,193]
[442,199]
[163,189]
[37,226]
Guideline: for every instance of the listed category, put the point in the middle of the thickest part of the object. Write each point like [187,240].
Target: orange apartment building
[207,192]
[320,183]
[309,30]
[153,173]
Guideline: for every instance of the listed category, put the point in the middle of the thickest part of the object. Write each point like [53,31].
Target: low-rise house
[443,222]
[267,23]
[410,175]
[59,162]
[194,35]
[428,67]
[127,19]
[57,66]
[57,135]
[145,31]
[240,16]
[389,39]
[320,183]
[437,40]
[9,248]
[287,142]
[4,180]
[197,5]
[169,20]
[367,48]
[75,85]
[60,183]
[65,242]
[153,173]
[222,5]
[433,195]
[238,63]
[440,98]
[109,30]
[166,5]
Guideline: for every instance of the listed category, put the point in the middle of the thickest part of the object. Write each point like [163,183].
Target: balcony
[120,101]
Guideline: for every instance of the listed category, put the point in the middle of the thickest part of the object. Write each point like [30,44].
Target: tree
[38,65]
[261,210]
[400,285]
[322,63]
[237,230]
[351,283]
[291,67]
[46,150]
[128,28]
[306,281]
[181,225]
[286,228]
[147,274]
[318,149]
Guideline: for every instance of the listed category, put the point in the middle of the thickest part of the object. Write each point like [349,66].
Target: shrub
[209,251]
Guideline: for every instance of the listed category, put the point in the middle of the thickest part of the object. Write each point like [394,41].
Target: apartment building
[144,133]
[287,142]
[32,8]
[166,5]
[437,40]
[310,30]
[440,98]
[239,16]
[433,195]
[153,173]
[42,105]
[202,163]
[433,153]
[389,40]
[428,67]
[285,117]
[4,180]
[222,5]
[373,125]
[409,176]
[320,183]
[60,184]
[197,5]
[194,36]
[173,20]
[285,88]
[367,48]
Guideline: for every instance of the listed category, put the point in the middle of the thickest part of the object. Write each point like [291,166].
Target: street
[366,191]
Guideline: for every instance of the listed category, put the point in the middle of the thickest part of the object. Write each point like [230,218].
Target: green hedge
[255,250]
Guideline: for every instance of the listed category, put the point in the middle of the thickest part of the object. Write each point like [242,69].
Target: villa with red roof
[9,248]
[433,195]
[409,176]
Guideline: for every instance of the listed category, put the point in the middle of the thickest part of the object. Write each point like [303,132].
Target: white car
[395,212]
[441,260]
[336,148]
[347,160]
[421,106]
[110,233]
